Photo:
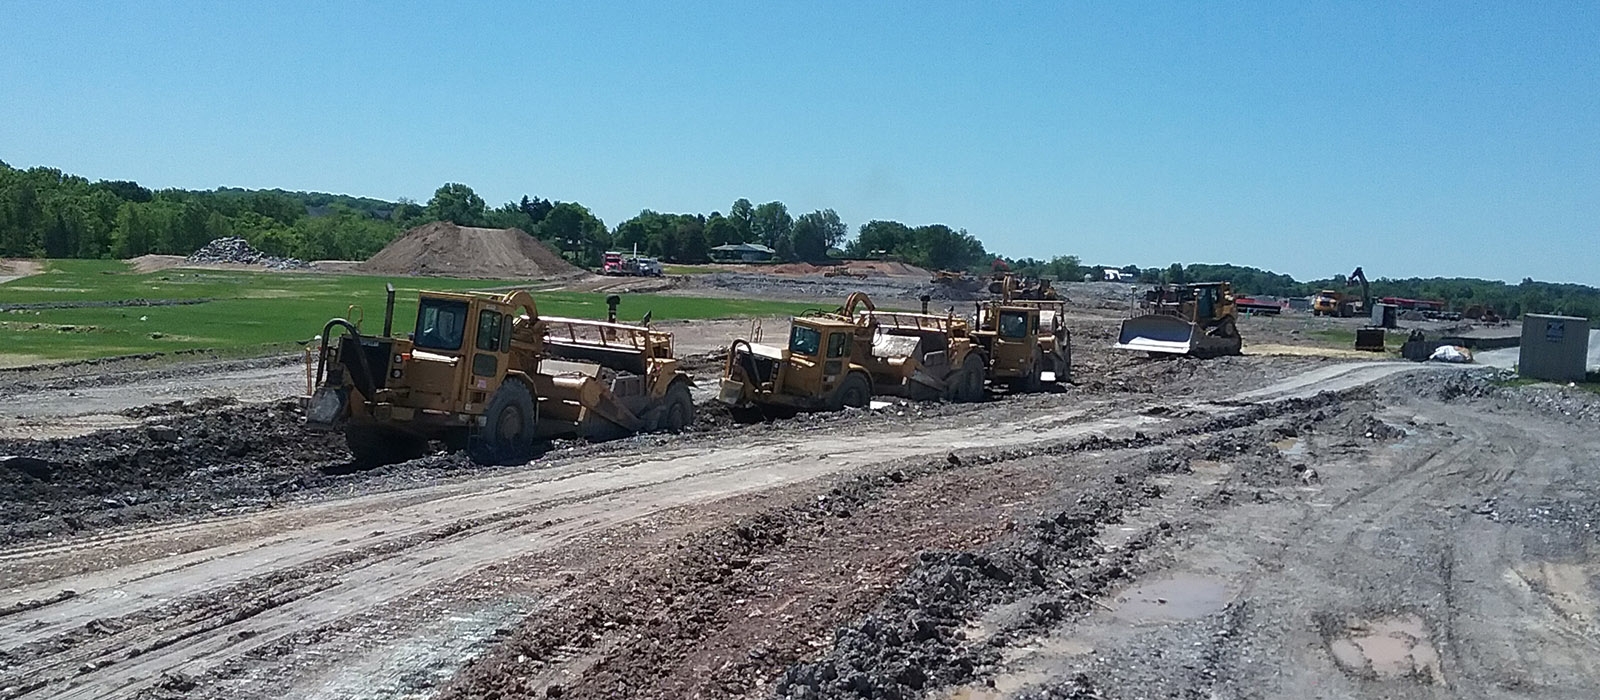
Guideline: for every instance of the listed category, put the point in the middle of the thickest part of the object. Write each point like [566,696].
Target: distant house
[742,252]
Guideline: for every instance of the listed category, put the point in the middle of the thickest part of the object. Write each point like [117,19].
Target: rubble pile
[238,250]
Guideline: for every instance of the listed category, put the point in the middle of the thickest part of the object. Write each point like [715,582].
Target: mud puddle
[1387,648]
[1181,597]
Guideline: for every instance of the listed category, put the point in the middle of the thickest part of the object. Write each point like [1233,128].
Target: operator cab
[441,324]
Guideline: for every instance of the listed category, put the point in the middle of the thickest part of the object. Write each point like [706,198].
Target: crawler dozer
[487,373]
[1189,319]
[844,357]
[1024,340]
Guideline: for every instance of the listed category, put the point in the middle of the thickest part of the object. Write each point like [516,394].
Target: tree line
[47,213]
[1458,293]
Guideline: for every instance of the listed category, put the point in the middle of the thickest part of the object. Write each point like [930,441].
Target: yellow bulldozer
[1185,319]
[844,357]
[1023,338]
[489,374]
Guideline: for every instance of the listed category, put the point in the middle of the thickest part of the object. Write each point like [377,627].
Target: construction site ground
[1278,525]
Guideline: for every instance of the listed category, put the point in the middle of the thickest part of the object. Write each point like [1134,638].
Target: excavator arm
[1360,277]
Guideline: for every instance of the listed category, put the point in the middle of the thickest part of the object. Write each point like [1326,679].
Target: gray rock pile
[238,250]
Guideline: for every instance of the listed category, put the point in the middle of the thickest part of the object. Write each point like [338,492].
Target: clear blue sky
[1451,138]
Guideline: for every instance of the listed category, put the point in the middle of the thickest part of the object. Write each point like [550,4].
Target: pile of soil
[447,250]
[868,268]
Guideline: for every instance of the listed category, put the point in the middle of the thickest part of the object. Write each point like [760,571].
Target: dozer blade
[1156,333]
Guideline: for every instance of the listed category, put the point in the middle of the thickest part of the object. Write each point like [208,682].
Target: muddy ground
[1285,525]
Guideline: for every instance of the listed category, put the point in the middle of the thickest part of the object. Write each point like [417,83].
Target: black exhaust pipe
[388,312]
[925,300]
[611,304]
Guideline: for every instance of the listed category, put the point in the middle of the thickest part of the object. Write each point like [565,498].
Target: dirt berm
[448,250]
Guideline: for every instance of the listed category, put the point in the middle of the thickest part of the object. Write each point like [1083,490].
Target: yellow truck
[489,374]
[843,358]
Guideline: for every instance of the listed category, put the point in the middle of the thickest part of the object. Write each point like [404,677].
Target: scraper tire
[678,412]
[854,392]
[507,434]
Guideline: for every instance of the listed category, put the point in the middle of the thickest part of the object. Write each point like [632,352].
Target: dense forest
[47,213]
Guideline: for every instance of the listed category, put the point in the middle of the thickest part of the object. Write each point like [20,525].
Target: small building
[1554,348]
[743,252]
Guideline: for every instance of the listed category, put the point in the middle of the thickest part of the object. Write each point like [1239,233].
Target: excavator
[1185,319]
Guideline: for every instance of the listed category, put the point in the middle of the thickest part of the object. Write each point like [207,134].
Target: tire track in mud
[649,484]
[699,640]
[777,459]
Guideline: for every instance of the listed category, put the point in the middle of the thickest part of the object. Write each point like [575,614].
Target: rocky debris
[114,303]
[917,639]
[181,407]
[237,250]
[241,457]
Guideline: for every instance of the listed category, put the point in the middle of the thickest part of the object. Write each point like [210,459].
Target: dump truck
[1185,319]
[1021,333]
[842,358]
[489,374]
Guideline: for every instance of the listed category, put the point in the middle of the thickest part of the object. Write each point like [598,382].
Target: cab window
[1013,324]
[440,324]
[489,330]
[838,344]
[804,341]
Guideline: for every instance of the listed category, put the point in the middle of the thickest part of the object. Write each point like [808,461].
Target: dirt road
[408,584]
[1241,527]
[1449,554]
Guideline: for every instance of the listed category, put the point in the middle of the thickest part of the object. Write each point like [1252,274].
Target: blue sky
[1451,138]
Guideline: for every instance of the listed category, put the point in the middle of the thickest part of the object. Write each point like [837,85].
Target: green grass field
[246,313]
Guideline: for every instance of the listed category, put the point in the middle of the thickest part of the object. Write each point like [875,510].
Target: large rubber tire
[1030,381]
[375,446]
[677,411]
[854,392]
[1064,361]
[966,385]
[508,432]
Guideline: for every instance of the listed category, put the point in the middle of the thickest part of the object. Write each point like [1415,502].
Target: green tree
[876,239]
[720,231]
[456,203]
[772,226]
[1175,274]
[815,233]
[741,215]
[575,229]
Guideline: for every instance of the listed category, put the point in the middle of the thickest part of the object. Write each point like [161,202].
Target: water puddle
[1388,648]
[1290,447]
[1182,597]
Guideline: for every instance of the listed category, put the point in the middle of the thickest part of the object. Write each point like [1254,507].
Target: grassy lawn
[256,312]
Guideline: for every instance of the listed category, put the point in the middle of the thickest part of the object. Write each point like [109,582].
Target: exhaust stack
[925,300]
[388,312]
[611,308]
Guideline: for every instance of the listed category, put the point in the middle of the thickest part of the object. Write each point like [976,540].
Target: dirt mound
[154,263]
[447,250]
[851,268]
